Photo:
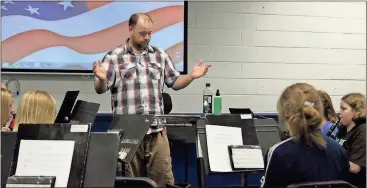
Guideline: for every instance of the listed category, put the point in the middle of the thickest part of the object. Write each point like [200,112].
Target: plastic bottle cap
[217,94]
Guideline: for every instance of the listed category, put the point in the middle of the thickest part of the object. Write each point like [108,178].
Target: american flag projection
[71,35]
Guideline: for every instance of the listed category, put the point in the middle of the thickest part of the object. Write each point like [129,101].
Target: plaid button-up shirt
[136,80]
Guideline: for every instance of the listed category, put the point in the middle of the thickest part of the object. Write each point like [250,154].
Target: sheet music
[246,116]
[247,158]
[218,140]
[46,158]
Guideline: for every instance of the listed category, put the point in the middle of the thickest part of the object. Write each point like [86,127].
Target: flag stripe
[164,39]
[88,65]
[96,4]
[32,41]
[79,25]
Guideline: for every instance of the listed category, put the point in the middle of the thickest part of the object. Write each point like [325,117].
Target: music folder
[66,107]
[84,112]
[134,127]
[52,143]
[246,157]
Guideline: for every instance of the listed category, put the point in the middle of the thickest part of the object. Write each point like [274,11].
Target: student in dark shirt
[352,135]
[330,116]
[307,156]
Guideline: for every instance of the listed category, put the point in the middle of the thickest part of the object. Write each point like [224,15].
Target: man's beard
[141,46]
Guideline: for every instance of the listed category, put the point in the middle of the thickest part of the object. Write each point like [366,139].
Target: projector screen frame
[90,72]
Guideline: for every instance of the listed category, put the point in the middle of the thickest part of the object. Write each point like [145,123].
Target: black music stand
[102,159]
[84,112]
[135,128]
[249,137]
[66,107]
[268,133]
[79,134]
[243,112]
[182,128]
[8,140]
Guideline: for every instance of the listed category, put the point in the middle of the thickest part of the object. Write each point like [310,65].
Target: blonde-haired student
[308,155]
[6,109]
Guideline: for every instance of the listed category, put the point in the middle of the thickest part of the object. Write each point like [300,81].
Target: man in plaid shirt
[135,74]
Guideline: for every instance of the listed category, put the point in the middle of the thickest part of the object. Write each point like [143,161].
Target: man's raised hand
[99,70]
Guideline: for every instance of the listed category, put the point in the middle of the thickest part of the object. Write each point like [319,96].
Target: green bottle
[217,103]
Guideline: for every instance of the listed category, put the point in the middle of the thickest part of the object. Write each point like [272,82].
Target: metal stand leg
[186,149]
[243,180]
[200,173]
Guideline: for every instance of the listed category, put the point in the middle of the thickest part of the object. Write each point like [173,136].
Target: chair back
[167,103]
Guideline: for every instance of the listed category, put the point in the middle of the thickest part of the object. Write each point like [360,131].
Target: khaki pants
[153,155]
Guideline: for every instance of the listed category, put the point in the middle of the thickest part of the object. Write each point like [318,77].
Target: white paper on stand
[218,140]
[248,157]
[46,158]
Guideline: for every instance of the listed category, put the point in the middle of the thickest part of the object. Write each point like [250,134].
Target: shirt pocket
[155,71]
[128,72]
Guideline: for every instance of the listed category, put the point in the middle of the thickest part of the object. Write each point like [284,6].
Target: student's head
[36,107]
[329,112]
[3,85]
[6,106]
[301,109]
[353,109]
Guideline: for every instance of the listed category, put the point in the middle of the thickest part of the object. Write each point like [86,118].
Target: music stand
[60,131]
[84,112]
[268,133]
[243,112]
[66,107]
[135,128]
[102,159]
[182,128]
[8,140]
[249,137]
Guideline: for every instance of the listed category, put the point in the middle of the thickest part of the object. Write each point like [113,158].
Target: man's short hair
[133,20]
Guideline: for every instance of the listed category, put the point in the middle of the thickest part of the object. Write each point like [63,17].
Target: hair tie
[310,104]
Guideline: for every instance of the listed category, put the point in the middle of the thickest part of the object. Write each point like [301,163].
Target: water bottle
[207,99]
[217,103]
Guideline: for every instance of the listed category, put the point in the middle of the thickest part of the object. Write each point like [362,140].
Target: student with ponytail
[308,155]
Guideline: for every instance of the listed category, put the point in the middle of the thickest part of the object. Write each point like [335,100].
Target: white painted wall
[256,49]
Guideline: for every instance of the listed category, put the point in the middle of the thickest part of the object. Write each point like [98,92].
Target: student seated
[329,116]
[37,107]
[6,110]
[307,156]
[352,135]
